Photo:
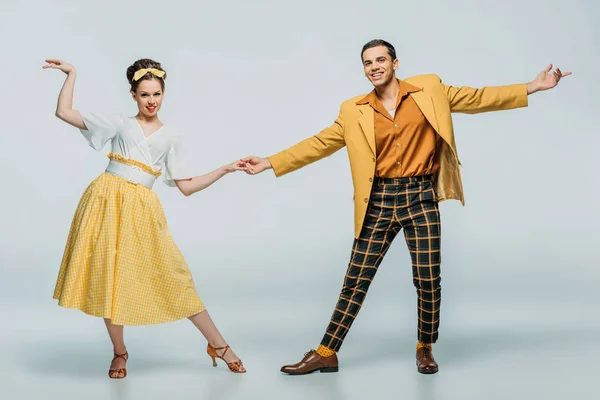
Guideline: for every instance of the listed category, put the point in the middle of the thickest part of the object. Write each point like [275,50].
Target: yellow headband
[140,73]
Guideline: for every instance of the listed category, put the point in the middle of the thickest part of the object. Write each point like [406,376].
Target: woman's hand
[60,65]
[238,165]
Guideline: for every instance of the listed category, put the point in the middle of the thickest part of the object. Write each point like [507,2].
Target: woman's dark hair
[141,64]
[376,43]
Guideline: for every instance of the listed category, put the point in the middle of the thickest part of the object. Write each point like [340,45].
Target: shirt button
[395,125]
[366,200]
[373,160]
[370,179]
[397,144]
[398,163]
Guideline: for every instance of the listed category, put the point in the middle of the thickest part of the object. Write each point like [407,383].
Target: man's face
[379,66]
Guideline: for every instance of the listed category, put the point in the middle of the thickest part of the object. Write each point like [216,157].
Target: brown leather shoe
[312,362]
[425,362]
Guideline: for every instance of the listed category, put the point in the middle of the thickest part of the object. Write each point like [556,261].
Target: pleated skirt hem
[125,322]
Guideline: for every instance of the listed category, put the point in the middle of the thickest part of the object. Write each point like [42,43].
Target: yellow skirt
[120,261]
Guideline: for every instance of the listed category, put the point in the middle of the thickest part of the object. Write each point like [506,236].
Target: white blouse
[161,150]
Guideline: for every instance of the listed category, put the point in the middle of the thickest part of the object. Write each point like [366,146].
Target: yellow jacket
[355,129]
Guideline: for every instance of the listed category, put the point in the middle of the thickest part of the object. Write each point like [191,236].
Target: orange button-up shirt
[405,143]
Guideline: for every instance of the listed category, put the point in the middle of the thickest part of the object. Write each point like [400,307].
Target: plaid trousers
[396,203]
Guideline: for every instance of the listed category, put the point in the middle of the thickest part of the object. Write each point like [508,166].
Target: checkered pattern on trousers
[396,203]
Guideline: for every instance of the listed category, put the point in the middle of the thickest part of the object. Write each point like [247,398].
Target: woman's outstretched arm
[64,107]
[198,183]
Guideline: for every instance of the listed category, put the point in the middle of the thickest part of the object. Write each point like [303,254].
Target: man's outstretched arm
[322,145]
[494,98]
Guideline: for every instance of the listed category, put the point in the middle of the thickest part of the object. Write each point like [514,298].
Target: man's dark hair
[379,42]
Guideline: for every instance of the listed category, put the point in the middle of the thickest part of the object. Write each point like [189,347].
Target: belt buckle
[131,172]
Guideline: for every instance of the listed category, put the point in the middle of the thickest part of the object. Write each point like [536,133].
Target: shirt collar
[405,89]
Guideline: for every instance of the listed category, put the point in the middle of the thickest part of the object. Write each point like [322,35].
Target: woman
[120,262]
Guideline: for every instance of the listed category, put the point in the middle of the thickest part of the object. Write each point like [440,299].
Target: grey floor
[506,341]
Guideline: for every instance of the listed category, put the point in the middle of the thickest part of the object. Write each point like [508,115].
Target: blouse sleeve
[101,128]
[175,166]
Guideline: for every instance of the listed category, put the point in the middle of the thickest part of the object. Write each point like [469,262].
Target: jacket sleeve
[470,100]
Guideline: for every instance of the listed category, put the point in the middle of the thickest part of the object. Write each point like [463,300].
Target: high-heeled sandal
[119,371]
[235,366]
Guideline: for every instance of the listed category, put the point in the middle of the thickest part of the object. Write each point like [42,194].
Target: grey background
[520,261]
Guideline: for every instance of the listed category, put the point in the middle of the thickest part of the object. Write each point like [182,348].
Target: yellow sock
[324,351]
[421,345]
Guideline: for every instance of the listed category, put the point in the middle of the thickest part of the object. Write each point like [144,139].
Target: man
[403,159]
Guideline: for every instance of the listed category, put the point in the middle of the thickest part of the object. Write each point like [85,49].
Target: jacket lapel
[367,123]
[425,104]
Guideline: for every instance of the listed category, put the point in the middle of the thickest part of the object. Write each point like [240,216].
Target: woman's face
[149,97]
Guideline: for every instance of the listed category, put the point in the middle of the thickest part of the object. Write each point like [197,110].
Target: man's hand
[256,165]
[546,80]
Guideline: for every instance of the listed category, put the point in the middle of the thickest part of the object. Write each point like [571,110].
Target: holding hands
[239,165]
[251,165]
[256,165]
